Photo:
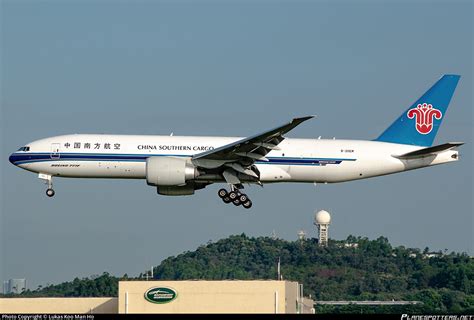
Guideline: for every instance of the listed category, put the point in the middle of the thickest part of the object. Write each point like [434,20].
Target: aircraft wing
[238,156]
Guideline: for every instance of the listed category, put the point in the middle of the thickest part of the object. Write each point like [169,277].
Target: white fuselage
[297,160]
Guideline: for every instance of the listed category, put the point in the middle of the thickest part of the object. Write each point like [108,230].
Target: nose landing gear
[236,197]
[48,179]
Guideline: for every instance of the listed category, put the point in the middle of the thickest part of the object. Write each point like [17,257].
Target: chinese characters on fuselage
[95,146]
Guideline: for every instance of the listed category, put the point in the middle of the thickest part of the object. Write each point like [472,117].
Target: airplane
[180,165]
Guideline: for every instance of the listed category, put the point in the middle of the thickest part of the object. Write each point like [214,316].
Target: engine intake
[169,171]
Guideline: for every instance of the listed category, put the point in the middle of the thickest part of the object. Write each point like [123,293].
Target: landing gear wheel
[226,199]
[243,198]
[236,202]
[247,205]
[233,195]
[222,193]
[50,192]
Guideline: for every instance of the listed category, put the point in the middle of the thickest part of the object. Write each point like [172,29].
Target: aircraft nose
[12,158]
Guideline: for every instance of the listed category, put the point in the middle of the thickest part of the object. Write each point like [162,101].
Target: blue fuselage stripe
[30,157]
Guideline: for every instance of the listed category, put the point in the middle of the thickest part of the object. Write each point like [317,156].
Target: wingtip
[304,118]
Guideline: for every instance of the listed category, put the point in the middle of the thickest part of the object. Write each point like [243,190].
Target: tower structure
[322,219]
[301,235]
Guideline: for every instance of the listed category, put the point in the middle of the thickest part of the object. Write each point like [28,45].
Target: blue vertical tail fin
[419,124]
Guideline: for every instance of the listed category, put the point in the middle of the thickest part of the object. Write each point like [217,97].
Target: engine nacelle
[185,190]
[169,171]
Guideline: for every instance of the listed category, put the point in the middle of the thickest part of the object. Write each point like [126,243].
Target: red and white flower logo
[424,114]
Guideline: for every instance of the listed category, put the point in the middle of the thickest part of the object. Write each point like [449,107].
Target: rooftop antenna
[274,235]
[278,267]
[301,235]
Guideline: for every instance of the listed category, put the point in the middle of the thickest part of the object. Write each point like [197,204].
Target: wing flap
[269,146]
[237,167]
[252,155]
[230,177]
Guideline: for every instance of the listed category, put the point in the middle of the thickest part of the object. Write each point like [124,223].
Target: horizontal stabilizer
[429,151]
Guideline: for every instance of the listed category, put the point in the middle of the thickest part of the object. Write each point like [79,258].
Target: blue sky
[230,68]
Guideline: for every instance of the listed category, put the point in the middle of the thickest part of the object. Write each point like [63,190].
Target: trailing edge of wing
[256,146]
[429,151]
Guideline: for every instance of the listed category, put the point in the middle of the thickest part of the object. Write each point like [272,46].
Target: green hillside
[354,269]
[373,270]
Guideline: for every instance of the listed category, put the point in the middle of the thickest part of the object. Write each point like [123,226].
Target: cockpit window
[24,149]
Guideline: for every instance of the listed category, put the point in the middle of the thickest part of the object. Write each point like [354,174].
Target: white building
[15,286]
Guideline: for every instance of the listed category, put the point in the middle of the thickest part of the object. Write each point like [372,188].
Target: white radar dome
[322,217]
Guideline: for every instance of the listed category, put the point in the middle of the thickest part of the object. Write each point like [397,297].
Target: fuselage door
[55,150]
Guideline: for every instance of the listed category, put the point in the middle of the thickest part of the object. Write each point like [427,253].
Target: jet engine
[170,172]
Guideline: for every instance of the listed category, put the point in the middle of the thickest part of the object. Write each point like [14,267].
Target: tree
[372,271]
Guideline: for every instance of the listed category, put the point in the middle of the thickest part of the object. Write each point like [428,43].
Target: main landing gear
[236,197]
[49,181]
